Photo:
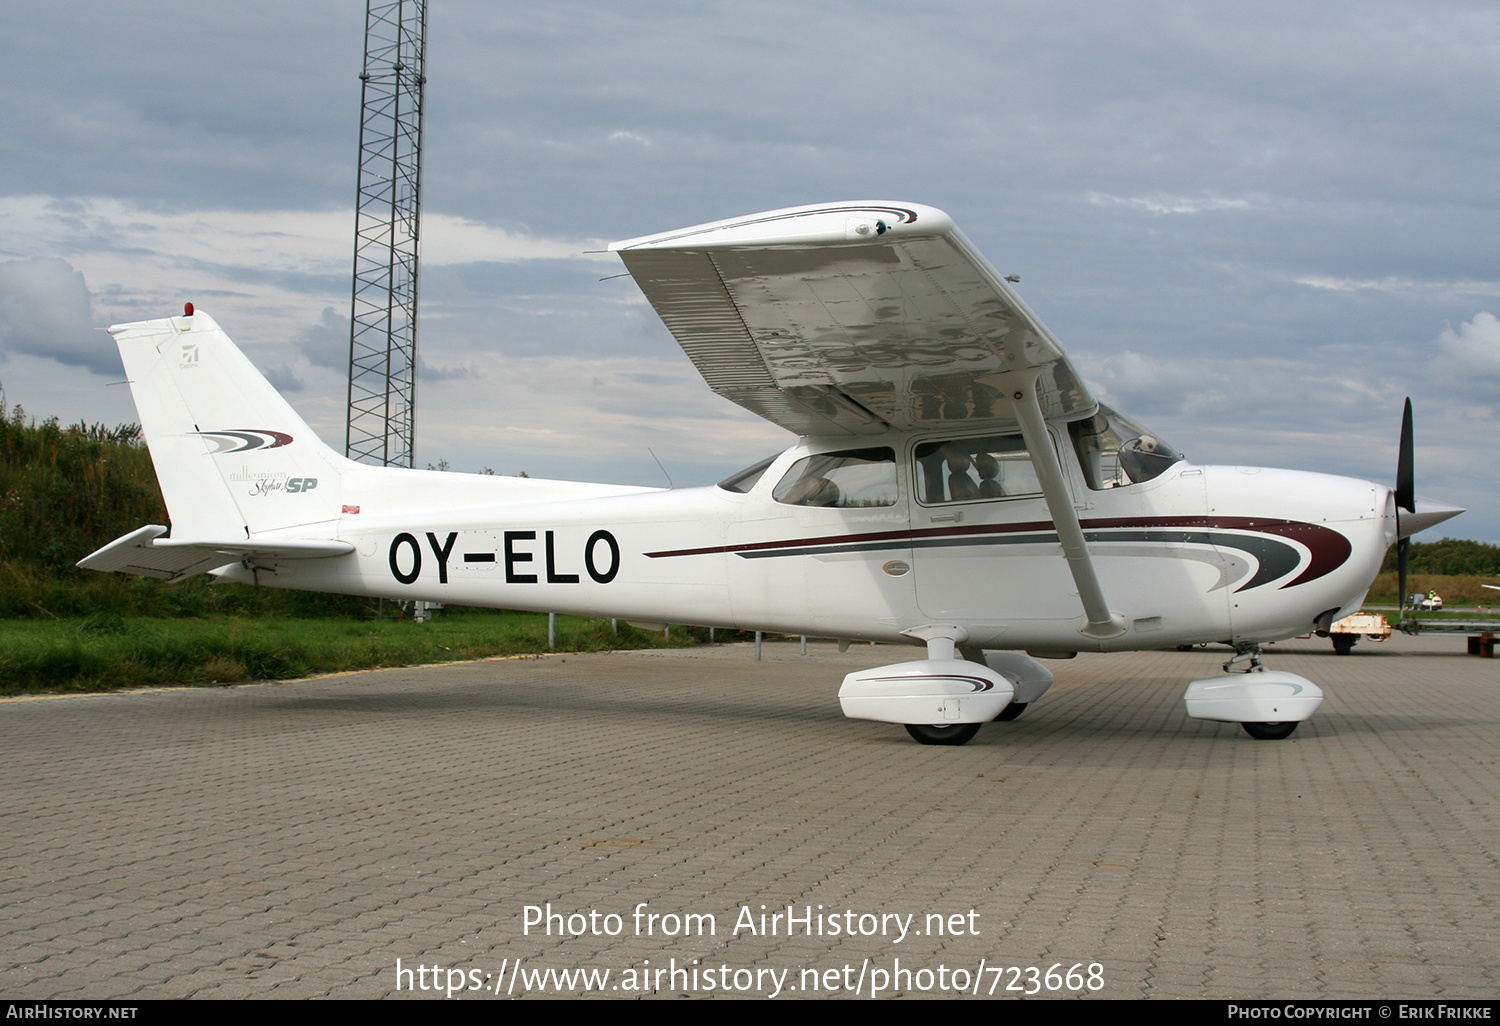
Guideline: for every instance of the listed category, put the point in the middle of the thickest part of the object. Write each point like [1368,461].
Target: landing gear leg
[1247,653]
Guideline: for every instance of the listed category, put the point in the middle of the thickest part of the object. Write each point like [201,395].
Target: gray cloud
[326,343]
[1468,359]
[283,378]
[1474,346]
[430,372]
[46,310]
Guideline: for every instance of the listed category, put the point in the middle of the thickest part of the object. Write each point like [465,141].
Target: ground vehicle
[1347,631]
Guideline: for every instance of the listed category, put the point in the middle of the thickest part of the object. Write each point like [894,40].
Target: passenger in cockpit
[961,487]
[988,469]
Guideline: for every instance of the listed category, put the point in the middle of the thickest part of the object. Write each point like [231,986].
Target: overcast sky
[1256,230]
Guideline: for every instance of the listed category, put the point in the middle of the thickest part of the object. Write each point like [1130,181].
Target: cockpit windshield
[1115,451]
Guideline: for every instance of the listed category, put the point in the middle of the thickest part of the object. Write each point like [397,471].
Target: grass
[1455,590]
[106,651]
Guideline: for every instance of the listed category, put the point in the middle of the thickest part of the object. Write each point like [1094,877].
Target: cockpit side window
[968,469]
[846,479]
[1114,451]
[746,479]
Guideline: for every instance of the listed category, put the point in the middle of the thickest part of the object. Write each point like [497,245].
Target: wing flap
[688,292]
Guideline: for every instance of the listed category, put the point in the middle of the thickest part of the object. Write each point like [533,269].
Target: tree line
[1454,557]
[68,490]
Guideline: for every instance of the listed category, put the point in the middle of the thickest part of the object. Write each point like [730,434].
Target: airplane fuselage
[1197,554]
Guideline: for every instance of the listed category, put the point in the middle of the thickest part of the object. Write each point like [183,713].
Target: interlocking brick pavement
[296,839]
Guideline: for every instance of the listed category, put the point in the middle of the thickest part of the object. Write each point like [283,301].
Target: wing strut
[1100,621]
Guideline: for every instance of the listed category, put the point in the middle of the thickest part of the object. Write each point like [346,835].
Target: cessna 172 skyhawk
[954,484]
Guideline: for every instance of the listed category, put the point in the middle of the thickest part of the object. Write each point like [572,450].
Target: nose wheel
[1267,703]
[1270,731]
[1263,731]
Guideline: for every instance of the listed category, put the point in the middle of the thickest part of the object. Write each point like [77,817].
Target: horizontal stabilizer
[144,552]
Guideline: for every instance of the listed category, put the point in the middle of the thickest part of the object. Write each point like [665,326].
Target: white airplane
[954,485]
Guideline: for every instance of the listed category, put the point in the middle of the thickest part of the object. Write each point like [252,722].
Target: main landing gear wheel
[1011,711]
[954,734]
[1269,731]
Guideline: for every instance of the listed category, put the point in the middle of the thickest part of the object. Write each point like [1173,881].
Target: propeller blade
[1406,484]
[1403,549]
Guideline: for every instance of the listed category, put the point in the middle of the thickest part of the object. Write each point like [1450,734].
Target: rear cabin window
[846,479]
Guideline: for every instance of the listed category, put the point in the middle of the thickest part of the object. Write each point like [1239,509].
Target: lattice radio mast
[383,321]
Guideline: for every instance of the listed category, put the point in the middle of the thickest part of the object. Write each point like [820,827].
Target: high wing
[851,318]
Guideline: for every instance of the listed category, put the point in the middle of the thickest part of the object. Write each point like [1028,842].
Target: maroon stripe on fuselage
[1328,548]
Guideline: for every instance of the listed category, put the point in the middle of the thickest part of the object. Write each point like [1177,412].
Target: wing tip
[853,221]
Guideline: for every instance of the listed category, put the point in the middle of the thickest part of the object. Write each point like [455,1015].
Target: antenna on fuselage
[663,469]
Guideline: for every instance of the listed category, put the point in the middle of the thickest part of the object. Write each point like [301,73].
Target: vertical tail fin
[232,457]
